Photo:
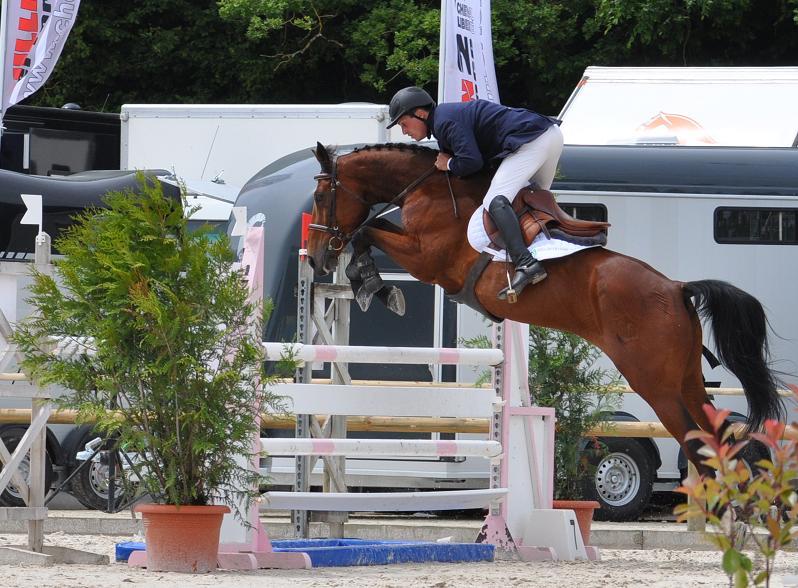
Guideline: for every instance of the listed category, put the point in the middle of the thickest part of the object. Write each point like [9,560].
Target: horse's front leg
[366,281]
[403,248]
[364,277]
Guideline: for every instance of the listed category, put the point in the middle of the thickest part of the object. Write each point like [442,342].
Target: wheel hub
[98,476]
[24,471]
[617,479]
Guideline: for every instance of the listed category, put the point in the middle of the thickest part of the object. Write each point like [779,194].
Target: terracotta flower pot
[583,509]
[181,538]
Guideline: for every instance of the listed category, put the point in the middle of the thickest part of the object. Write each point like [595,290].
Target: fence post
[698,522]
[339,373]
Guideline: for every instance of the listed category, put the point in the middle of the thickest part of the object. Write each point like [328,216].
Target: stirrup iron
[512,295]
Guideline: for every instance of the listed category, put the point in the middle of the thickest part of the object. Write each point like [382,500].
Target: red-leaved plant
[741,506]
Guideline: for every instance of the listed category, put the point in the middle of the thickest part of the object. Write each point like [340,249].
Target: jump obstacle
[521,522]
[33,445]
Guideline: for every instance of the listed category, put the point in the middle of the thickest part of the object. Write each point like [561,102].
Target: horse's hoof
[363,299]
[396,301]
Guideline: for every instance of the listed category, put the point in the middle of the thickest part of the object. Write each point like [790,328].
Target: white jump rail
[384,501]
[395,401]
[393,355]
[382,447]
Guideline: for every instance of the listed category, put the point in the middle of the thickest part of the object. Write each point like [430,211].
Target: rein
[339,239]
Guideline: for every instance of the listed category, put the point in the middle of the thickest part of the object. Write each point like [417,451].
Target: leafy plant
[162,333]
[563,375]
[736,500]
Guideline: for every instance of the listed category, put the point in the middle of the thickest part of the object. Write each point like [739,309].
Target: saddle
[537,212]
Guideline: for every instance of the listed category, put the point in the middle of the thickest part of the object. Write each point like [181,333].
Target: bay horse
[644,322]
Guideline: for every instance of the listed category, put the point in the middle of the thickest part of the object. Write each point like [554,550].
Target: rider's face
[414,127]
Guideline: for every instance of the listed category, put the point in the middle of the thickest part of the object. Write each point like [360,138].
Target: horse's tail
[740,328]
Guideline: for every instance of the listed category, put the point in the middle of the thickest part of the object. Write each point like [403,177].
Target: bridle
[339,238]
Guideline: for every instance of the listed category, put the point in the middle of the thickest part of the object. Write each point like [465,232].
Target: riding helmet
[407,100]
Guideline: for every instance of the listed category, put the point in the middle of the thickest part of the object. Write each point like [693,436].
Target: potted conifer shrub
[165,339]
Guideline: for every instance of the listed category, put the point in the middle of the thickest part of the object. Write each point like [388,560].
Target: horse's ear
[323,156]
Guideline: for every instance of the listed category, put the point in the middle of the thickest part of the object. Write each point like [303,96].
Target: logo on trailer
[686,130]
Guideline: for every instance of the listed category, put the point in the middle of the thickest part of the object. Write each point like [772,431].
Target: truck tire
[754,452]
[623,480]
[11,436]
[90,484]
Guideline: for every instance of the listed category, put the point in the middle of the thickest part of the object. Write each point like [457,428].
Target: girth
[538,212]
[467,294]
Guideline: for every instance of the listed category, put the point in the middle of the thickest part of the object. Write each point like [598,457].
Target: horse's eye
[318,196]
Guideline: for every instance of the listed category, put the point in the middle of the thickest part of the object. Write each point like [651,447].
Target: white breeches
[536,161]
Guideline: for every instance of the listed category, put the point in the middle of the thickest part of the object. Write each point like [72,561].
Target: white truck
[213,149]
[216,148]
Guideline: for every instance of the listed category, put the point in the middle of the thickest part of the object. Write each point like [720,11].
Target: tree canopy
[329,51]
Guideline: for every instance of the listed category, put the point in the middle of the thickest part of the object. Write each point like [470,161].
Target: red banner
[33,34]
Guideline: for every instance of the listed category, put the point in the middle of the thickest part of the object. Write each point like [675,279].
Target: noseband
[339,238]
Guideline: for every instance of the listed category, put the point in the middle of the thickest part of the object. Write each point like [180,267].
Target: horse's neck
[438,220]
[435,214]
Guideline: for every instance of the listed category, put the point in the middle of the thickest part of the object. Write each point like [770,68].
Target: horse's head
[337,211]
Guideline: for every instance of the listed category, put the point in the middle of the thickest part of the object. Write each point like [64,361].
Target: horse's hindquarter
[612,300]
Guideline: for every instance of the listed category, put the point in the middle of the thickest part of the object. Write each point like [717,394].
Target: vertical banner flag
[466,71]
[33,34]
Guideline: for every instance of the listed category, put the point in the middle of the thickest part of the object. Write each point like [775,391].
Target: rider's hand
[442,163]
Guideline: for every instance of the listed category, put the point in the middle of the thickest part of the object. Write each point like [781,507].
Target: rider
[472,134]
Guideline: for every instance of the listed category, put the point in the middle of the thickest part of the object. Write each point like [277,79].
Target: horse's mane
[410,147]
[400,146]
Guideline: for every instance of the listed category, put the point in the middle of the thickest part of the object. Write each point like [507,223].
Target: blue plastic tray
[362,552]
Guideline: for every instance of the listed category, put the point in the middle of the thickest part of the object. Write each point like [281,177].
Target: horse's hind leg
[694,392]
[694,398]
[664,392]
[679,421]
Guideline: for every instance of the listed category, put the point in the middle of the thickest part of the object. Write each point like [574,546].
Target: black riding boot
[528,270]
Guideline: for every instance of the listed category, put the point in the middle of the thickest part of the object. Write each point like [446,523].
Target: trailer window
[591,212]
[217,228]
[756,226]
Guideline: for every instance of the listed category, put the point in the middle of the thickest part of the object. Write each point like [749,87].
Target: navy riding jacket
[480,132]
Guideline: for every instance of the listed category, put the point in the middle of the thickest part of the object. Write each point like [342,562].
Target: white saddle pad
[542,247]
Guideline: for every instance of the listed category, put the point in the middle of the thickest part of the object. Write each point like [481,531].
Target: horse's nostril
[311,263]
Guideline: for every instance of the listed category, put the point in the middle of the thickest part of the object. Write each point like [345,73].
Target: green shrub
[563,375]
[167,340]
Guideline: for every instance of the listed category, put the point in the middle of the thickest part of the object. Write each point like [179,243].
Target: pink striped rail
[362,354]
[382,447]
